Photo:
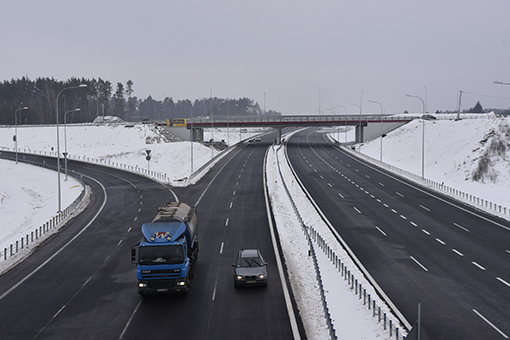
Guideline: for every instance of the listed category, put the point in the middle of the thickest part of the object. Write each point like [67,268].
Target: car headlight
[262,276]
[239,277]
[142,284]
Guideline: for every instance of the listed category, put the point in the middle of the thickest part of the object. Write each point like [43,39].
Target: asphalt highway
[81,284]
[420,246]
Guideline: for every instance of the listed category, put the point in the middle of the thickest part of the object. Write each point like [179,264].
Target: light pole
[192,135]
[382,112]
[58,144]
[422,136]
[501,83]
[65,139]
[16,128]
[319,101]
[212,126]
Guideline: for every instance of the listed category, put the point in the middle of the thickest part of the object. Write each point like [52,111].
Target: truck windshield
[161,254]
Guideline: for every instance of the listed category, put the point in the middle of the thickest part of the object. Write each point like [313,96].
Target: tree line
[100,98]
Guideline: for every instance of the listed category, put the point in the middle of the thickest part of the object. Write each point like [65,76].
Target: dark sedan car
[250,268]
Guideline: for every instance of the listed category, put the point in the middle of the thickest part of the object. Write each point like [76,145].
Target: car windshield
[161,254]
[249,262]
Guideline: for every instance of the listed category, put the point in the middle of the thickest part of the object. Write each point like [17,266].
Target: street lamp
[422,136]
[319,101]
[65,139]
[58,144]
[16,128]
[382,112]
[501,83]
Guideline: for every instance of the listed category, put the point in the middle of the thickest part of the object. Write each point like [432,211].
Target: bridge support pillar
[279,136]
[360,135]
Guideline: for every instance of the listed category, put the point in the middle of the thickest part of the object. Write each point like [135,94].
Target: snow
[453,150]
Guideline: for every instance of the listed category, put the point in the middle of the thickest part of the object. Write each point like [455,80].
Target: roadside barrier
[39,234]
[356,286]
[478,202]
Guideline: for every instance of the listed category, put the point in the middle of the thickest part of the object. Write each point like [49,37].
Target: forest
[25,101]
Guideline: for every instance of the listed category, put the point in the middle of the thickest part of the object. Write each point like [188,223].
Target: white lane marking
[234,193]
[118,244]
[367,176]
[419,264]
[136,218]
[139,209]
[330,185]
[405,218]
[221,248]
[461,227]
[503,281]
[414,224]
[231,204]
[490,323]
[382,232]
[479,266]
[130,319]
[421,206]
[129,229]
[321,177]
[341,195]
[457,252]
[226,222]
[380,184]
[385,205]
[394,211]
[438,240]
[357,210]
[398,193]
[426,232]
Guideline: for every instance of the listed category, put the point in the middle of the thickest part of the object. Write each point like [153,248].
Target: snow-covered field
[453,150]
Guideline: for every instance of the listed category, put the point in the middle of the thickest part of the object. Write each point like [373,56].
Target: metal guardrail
[39,234]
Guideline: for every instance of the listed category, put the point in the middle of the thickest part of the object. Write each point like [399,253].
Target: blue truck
[168,251]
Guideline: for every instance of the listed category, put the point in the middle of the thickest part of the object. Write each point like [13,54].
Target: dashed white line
[479,266]
[382,232]
[490,324]
[231,204]
[414,224]
[421,206]
[385,205]
[419,264]
[398,193]
[438,240]
[457,252]
[118,244]
[330,185]
[339,194]
[461,227]
[503,281]
[394,211]
[221,248]
[234,193]
[405,218]
[380,184]
[357,210]
[321,177]
[426,232]
[367,176]
[136,218]
[226,222]
[129,229]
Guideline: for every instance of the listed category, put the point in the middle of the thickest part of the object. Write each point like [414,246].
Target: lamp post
[319,101]
[16,128]
[58,144]
[382,112]
[501,83]
[65,139]
[422,136]
[212,125]
[192,136]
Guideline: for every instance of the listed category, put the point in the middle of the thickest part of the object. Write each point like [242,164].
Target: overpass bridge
[367,126]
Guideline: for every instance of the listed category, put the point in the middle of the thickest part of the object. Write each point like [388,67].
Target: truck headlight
[142,284]
[181,283]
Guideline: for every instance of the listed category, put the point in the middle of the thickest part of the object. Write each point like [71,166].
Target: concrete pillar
[360,134]
[278,135]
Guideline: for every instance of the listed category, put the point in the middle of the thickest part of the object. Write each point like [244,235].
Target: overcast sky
[353,50]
